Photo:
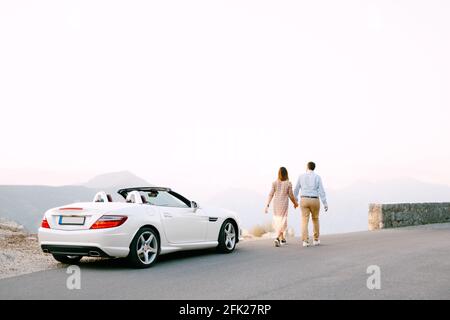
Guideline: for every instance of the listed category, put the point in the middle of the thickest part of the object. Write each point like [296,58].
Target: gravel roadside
[20,252]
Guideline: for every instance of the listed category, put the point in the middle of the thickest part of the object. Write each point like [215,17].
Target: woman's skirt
[280,213]
[279,224]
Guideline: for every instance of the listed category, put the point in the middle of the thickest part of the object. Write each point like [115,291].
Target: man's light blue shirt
[311,185]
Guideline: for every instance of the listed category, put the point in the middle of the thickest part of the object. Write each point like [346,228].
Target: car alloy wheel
[144,248]
[147,247]
[230,236]
[227,237]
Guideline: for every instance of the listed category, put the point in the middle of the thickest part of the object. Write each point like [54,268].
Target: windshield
[164,199]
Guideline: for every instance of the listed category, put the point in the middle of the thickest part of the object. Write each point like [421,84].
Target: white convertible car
[152,221]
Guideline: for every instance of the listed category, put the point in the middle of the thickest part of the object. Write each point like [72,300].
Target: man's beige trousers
[309,207]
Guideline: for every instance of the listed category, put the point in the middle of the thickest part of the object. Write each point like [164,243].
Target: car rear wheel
[67,259]
[144,248]
[227,237]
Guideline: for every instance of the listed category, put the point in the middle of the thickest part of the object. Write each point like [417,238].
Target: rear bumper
[74,250]
[112,242]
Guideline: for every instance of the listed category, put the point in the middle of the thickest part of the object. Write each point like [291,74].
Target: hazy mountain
[27,204]
[348,206]
[119,179]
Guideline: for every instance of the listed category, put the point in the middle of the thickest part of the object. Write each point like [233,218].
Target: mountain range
[348,206]
[26,204]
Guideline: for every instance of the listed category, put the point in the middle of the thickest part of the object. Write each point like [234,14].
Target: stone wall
[383,216]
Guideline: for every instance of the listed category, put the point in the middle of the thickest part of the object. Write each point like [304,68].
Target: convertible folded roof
[124,192]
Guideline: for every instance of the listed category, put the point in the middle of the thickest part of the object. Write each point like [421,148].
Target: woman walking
[281,192]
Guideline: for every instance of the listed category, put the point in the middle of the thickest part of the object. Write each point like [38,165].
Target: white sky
[206,95]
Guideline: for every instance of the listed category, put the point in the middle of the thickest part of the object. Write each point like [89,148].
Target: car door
[182,224]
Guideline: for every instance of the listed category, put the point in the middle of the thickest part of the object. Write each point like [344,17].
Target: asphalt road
[414,264]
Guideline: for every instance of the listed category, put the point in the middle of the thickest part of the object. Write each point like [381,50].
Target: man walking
[312,188]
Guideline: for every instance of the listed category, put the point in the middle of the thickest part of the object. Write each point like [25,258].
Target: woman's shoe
[277,242]
[283,241]
[305,243]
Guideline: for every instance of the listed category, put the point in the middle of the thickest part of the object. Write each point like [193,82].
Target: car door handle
[167,215]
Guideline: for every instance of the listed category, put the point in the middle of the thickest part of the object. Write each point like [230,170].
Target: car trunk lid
[80,216]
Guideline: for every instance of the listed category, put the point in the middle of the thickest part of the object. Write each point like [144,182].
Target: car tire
[227,237]
[144,248]
[67,259]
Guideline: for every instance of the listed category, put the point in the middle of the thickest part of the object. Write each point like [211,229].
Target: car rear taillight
[109,222]
[44,224]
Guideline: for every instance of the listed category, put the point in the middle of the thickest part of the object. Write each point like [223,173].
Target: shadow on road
[101,263]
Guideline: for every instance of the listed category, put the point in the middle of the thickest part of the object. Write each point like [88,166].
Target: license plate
[73,221]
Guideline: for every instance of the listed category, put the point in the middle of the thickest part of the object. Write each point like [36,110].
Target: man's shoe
[305,243]
[276,242]
[316,242]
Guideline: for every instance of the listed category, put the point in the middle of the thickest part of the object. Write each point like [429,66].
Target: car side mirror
[194,205]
